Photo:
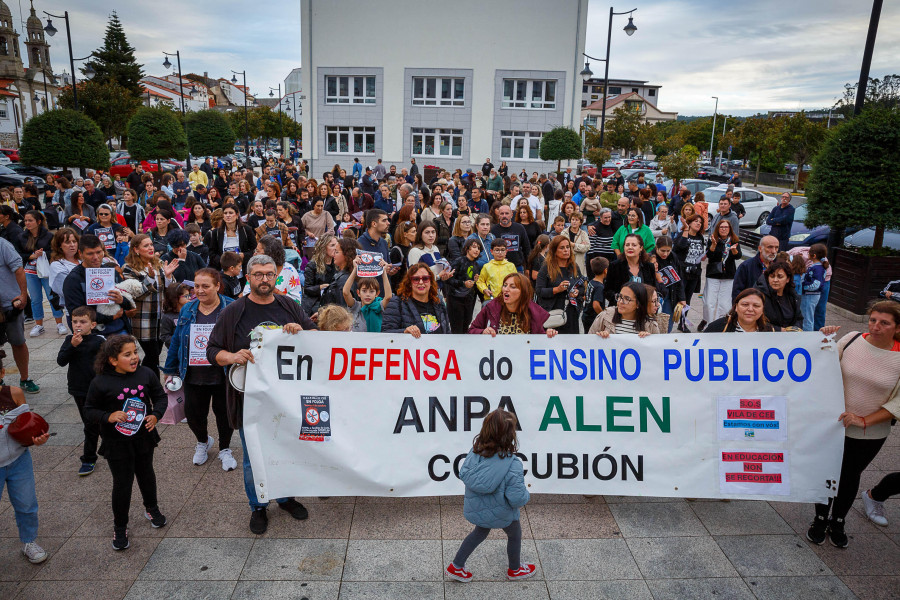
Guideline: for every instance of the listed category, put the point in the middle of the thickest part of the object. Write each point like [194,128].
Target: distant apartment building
[444,99]
[592,90]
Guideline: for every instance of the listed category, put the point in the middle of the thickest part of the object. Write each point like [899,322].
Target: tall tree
[801,139]
[106,102]
[750,139]
[209,133]
[154,134]
[114,60]
[624,130]
[884,92]
[853,174]
[559,144]
[63,138]
[680,164]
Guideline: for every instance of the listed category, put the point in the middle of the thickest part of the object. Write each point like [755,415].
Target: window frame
[439,135]
[521,140]
[519,94]
[433,89]
[351,133]
[342,89]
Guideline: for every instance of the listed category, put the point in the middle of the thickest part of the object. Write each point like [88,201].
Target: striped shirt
[626,326]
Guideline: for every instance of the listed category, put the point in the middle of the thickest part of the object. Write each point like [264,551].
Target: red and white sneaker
[523,572]
[458,574]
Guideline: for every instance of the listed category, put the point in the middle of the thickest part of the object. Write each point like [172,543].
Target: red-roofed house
[591,113]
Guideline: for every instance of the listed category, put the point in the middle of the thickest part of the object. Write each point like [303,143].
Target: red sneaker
[523,572]
[460,574]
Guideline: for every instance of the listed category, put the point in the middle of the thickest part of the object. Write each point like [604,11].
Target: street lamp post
[280,122]
[713,134]
[243,73]
[167,65]
[51,31]
[587,74]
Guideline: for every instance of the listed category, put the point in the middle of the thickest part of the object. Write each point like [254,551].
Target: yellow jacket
[198,178]
[492,274]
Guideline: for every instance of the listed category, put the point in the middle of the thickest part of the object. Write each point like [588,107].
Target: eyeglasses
[423,279]
[624,299]
[261,276]
[655,302]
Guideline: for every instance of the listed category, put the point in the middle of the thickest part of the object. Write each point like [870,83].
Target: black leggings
[124,471]
[690,288]
[151,349]
[196,408]
[91,433]
[857,456]
[459,311]
[887,487]
[479,534]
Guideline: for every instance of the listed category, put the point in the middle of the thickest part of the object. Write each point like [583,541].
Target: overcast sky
[755,56]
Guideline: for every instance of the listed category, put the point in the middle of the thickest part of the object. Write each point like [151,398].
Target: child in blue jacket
[813,281]
[495,490]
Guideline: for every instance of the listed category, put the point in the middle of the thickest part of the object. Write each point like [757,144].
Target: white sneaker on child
[34,553]
[201,451]
[61,329]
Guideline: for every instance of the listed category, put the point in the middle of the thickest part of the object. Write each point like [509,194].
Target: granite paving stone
[563,560]
[393,560]
[455,526]
[771,555]
[713,588]
[93,559]
[657,519]
[553,521]
[180,590]
[286,590]
[510,590]
[680,557]
[95,590]
[301,560]
[381,590]
[868,554]
[875,587]
[197,559]
[799,588]
[390,522]
[633,589]
[739,517]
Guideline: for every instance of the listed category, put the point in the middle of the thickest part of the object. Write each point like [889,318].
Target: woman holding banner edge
[870,367]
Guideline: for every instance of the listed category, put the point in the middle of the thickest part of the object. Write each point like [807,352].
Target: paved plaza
[349,548]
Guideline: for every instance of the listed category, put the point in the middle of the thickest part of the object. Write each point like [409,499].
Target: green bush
[155,134]
[63,138]
[209,133]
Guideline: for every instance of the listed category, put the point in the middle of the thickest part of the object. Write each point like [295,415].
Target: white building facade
[592,89]
[443,99]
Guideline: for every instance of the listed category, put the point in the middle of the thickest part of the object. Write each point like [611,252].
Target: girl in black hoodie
[127,400]
[461,299]
[671,285]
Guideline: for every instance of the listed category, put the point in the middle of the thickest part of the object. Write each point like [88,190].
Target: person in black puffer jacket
[461,287]
[416,309]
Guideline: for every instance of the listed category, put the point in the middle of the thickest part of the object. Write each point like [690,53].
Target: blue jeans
[18,476]
[819,321]
[249,488]
[808,308]
[36,289]
[667,308]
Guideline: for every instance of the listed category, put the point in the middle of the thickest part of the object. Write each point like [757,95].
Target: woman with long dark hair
[554,285]
[629,314]
[416,308]
[782,303]
[36,247]
[634,265]
[747,315]
[512,311]
[230,236]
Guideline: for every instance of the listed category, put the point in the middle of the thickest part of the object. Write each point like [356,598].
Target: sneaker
[201,451]
[874,509]
[701,326]
[817,530]
[228,461]
[86,469]
[836,534]
[36,330]
[29,387]
[454,572]
[297,510]
[120,538]
[523,572]
[259,521]
[61,329]
[156,518]
[34,553]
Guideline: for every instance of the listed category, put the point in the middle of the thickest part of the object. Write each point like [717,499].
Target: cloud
[756,56]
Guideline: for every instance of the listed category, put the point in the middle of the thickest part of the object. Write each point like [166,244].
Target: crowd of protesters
[225,249]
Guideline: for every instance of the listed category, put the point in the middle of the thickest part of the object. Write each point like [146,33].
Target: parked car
[865,237]
[757,205]
[11,153]
[32,171]
[9,177]
[242,158]
[124,165]
[582,166]
[632,175]
[693,185]
[114,154]
[713,174]
[608,169]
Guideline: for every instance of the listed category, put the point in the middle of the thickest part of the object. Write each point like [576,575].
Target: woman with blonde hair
[320,271]
[143,266]
[554,288]
[334,318]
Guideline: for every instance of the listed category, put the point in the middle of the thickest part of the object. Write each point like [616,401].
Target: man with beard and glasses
[748,272]
[229,344]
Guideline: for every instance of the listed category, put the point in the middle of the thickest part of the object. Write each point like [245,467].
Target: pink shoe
[461,574]
[523,572]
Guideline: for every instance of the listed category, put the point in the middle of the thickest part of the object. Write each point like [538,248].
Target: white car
[757,205]
[4,159]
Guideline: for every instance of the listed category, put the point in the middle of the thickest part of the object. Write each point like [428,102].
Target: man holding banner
[229,344]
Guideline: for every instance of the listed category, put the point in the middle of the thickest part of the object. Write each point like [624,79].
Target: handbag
[42,266]
[715,268]
[27,426]
[556,319]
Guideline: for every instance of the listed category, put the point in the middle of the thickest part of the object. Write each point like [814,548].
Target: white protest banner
[621,416]
[199,337]
[369,264]
[99,283]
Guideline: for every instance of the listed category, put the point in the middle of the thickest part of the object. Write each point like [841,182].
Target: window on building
[436,142]
[597,89]
[583,103]
[437,91]
[634,106]
[615,91]
[523,145]
[584,89]
[524,93]
[350,90]
[349,140]
[634,89]
[4,114]
[4,48]
[651,92]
